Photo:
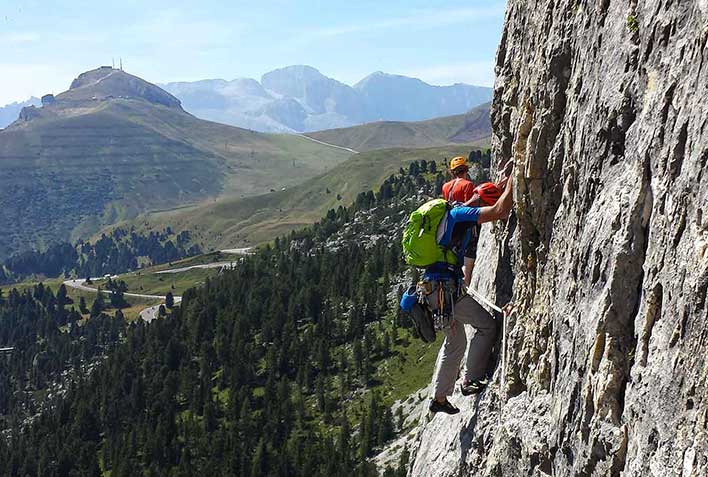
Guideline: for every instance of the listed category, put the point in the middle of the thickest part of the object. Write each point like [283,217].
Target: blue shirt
[465,216]
[457,234]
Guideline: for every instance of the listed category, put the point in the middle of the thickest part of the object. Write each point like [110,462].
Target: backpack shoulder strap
[452,188]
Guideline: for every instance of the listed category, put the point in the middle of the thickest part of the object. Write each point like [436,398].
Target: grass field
[472,127]
[410,370]
[248,221]
[203,259]
[146,283]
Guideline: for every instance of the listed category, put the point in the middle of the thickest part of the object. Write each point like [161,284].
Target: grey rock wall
[604,106]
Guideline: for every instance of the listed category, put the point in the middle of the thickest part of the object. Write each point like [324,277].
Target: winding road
[205,265]
[150,313]
[328,144]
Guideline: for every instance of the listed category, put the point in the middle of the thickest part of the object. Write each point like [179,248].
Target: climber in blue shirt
[454,234]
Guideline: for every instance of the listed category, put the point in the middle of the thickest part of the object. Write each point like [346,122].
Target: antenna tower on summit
[121,64]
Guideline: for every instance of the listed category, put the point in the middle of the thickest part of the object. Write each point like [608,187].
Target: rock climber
[461,190]
[456,236]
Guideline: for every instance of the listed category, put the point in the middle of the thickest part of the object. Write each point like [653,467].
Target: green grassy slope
[463,128]
[146,282]
[251,220]
[92,159]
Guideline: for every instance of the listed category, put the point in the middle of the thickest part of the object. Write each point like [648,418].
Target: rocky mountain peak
[302,73]
[379,77]
[295,81]
[107,83]
[316,92]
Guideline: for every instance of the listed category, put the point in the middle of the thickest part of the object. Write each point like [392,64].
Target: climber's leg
[447,367]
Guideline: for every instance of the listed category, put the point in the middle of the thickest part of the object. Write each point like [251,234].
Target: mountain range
[301,99]
[114,145]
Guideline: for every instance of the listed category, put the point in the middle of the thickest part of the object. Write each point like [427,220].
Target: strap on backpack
[452,188]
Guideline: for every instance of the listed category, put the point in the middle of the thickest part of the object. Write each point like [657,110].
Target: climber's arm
[501,209]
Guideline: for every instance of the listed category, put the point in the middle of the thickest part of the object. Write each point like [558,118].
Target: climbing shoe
[473,387]
[444,406]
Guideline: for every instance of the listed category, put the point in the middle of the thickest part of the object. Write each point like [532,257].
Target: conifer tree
[98,304]
[82,305]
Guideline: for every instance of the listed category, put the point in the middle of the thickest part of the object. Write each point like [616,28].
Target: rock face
[602,106]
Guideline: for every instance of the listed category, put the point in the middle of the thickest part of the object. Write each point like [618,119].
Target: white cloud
[478,73]
[421,20]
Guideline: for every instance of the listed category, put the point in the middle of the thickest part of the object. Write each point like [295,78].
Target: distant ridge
[472,127]
[10,112]
[301,99]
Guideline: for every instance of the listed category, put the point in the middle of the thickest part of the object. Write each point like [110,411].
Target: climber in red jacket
[460,188]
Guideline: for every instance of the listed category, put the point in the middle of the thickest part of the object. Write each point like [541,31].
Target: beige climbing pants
[467,312]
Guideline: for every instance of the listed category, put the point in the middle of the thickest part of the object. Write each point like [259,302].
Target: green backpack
[420,245]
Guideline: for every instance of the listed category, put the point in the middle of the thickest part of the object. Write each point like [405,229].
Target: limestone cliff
[604,107]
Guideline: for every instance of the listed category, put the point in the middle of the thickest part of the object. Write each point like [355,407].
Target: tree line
[117,252]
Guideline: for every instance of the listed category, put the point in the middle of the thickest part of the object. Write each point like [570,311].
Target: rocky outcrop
[28,113]
[602,106]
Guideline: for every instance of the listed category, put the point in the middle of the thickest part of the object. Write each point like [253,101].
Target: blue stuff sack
[409,299]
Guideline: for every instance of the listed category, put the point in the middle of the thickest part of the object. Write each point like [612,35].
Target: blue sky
[44,44]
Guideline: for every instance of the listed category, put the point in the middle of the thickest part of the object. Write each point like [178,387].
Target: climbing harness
[445,312]
[442,306]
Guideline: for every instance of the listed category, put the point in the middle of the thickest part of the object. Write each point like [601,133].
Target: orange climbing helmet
[488,193]
[457,163]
